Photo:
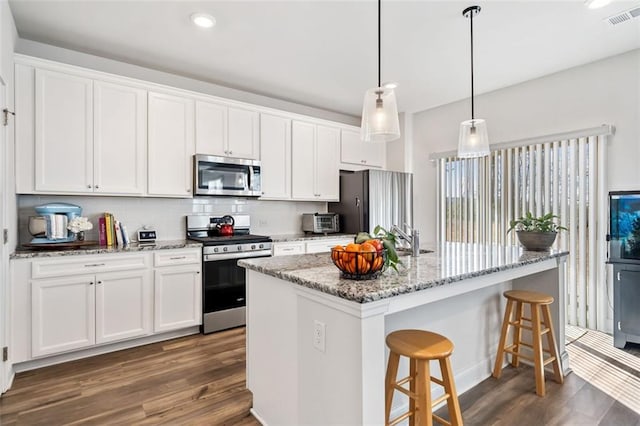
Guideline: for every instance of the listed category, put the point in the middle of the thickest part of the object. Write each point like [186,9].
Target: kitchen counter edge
[286,238]
[133,247]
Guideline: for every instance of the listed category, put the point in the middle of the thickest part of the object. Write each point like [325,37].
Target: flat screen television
[624,226]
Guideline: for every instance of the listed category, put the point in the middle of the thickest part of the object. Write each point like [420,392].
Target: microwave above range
[226,176]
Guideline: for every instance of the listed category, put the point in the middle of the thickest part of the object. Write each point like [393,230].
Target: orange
[367,251]
[336,252]
[363,265]
[376,243]
[376,265]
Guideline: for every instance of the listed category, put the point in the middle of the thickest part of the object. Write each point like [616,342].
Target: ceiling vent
[625,16]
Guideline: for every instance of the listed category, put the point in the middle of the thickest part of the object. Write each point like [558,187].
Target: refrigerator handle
[360,219]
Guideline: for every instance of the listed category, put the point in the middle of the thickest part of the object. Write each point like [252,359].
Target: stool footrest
[518,354]
[437,381]
[549,360]
[401,418]
[405,391]
[439,400]
[441,420]
[531,347]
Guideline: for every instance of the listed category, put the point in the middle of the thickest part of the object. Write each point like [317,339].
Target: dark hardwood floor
[200,380]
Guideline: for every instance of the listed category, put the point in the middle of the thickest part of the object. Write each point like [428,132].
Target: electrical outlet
[319,335]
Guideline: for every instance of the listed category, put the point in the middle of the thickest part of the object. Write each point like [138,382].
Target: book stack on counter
[112,232]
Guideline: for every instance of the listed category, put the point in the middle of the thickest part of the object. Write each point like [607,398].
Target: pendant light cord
[379,43]
[472,105]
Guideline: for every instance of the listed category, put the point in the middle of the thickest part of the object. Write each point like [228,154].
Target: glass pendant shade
[380,116]
[474,139]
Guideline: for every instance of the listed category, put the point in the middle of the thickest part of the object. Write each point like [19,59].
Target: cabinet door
[178,298]
[120,138]
[327,168]
[275,154]
[123,305]
[243,133]
[63,314]
[303,161]
[288,249]
[629,284]
[211,128]
[354,151]
[325,245]
[63,133]
[171,145]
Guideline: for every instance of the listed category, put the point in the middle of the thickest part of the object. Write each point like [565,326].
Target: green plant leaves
[529,223]
[388,241]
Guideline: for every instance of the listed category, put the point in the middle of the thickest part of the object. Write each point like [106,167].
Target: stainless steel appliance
[226,176]
[374,197]
[321,223]
[624,256]
[223,281]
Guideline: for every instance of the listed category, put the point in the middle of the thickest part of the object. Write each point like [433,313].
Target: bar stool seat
[420,347]
[539,326]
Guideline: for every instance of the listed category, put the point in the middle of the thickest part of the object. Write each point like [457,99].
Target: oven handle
[244,255]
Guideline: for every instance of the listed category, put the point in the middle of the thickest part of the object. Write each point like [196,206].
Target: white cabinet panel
[178,298]
[123,305]
[63,314]
[120,139]
[275,156]
[303,160]
[355,151]
[63,132]
[325,245]
[327,168]
[171,145]
[243,133]
[314,162]
[288,249]
[211,128]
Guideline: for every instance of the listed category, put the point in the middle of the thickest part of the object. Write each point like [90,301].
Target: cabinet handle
[230,152]
[287,249]
[97,186]
[198,272]
[178,257]
[364,161]
[99,282]
[91,265]
[91,283]
[89,186]
[188,190]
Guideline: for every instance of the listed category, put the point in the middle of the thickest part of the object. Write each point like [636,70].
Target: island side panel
[272,354]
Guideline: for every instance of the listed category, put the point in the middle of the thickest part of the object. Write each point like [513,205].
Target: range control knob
[261,246]
[239,248]
[253,246]
[215,250]
[224,249]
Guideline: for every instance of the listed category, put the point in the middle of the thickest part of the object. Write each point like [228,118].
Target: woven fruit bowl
[361,263]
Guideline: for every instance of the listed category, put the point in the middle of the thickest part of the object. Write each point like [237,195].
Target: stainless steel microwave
[214,175]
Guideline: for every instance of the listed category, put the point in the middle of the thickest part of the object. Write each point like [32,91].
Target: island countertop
[453,262]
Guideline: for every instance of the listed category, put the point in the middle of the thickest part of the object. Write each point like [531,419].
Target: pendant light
[380,110]
[474,140]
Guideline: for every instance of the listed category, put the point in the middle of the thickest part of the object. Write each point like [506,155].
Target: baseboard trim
[257,417]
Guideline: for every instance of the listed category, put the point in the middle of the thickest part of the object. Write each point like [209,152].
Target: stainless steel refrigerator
[374,197]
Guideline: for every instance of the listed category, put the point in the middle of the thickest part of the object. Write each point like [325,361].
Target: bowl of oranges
[363,261]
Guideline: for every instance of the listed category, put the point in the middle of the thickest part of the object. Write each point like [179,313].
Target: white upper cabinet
[314,162]
[355,151]
[170,145]
[120,139]
[227,131]
[275,155]
[63,133]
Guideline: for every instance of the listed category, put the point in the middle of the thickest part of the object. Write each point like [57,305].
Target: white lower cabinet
[178,297]
[63,314]
[288,249]
[322,245]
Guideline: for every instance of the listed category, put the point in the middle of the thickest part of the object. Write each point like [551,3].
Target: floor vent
[625,16]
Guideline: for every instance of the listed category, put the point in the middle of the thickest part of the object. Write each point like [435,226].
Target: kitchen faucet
[413,239]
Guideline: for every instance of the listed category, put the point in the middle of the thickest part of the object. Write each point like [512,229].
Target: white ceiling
[323,53]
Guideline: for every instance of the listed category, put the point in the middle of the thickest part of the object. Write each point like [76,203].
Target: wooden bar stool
[420,347]
[538,327]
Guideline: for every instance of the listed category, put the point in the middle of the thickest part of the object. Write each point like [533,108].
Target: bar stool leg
[537,349]
[392,372]
[517,335]
[413,372]
[551,341]
[425,417]
[455,417]
[497,371]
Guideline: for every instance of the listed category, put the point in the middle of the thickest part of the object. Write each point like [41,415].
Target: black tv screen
[624,214]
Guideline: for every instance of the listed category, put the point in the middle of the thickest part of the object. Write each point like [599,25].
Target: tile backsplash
[167,215]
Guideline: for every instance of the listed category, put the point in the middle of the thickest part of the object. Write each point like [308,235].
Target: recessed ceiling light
[596,4]
[203,20]
[390,85]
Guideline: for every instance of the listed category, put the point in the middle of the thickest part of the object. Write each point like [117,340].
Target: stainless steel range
[223,281]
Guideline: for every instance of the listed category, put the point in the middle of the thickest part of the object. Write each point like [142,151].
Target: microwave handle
[251,177]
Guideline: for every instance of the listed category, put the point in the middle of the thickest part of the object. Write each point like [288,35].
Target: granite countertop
[307,237]
[457,261]
[28,253]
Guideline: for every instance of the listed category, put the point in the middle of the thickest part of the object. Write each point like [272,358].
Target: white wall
[167,215]
[602,92]
[46,51]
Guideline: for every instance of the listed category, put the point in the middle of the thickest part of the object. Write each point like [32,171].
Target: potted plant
[536,233]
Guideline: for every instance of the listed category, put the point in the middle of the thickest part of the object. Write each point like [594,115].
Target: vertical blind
[564,174]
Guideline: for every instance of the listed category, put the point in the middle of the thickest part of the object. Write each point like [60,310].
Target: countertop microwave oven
[213,175]
[321,223]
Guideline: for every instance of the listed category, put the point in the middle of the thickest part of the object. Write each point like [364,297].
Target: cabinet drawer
[58,267]
[286,249]
[177,257]
[322,246]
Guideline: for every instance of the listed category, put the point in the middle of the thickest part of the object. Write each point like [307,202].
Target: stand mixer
[38,224]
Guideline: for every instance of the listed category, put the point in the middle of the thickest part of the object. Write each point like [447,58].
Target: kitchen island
[316,350]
